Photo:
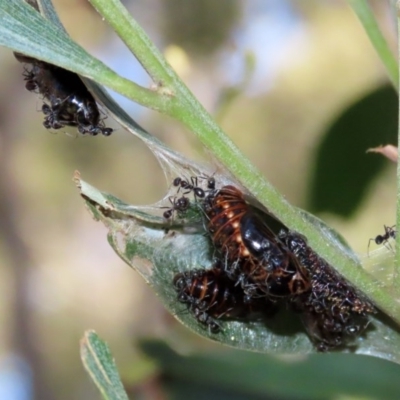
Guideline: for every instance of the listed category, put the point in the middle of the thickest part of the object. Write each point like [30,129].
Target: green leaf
[396,277]
[101,367]
[244,375]
[46,8]
[342,165]
[367,19]
[24,30]
[158,250]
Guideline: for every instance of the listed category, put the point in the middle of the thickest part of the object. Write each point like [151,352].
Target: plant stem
[192,114]
[367,19]
[396,275]
[49,43]
[137,41]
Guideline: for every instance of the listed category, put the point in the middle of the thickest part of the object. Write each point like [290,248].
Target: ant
[390,232]
[55,117]
[189,187]
[30,83]
[179,205]
[210,182]
[193,186]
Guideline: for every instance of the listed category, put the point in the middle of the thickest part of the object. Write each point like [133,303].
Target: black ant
[55,117]
[210,182]
[179,205]
[30,83]
[390,232]
[189,187]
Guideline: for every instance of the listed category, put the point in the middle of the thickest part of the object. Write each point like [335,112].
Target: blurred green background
[297,86]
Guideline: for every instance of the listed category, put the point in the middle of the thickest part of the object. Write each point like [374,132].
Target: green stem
[49,43]
[396,275]
[367,19]
[224,150]
[187,109]
[145,97]
[137,41]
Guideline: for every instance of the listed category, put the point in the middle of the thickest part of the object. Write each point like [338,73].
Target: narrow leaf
[396,277]
[25,30]
[367,19]
[47,10]
[246,375]
[101,367]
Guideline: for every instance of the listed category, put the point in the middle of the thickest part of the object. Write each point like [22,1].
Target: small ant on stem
[390,232]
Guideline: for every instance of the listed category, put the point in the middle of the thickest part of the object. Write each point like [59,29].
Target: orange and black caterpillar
[251,252]
[210,295]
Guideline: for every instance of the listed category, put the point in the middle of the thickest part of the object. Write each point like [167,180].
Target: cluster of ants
[260,265]
[67,101]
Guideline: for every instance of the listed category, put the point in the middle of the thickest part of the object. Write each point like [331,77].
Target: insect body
[68,101]
[390,232]
[252,252]
[262,263]
[210,295]
[189,187]
[333,312]
[281,271]
[210,182]
[179,205]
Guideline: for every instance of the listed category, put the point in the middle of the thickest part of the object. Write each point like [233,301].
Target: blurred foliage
[100,365]
[342,171]
[229,94]
[233,374]
[200,27]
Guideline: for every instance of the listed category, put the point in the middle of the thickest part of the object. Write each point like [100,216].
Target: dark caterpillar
[68,101]
[333,312]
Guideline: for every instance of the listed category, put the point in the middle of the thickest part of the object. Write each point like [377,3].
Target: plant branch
[192,114]
[24,30]
[396,275]
[368,21]
[137,41]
